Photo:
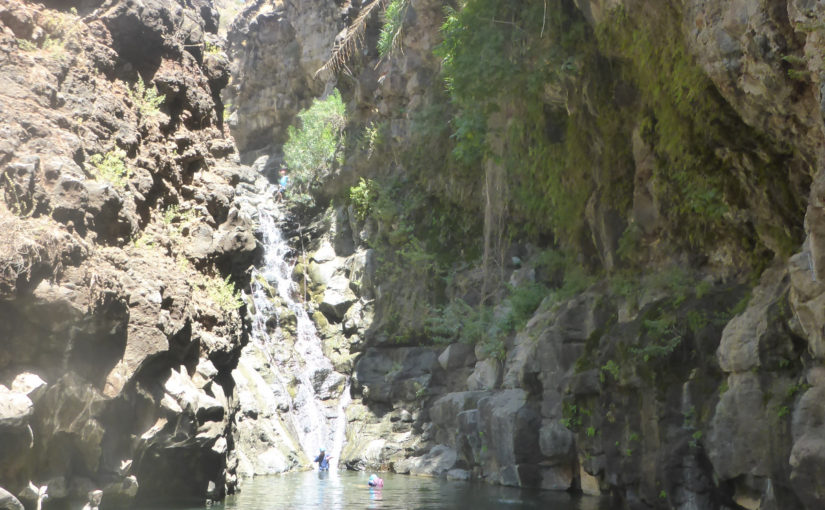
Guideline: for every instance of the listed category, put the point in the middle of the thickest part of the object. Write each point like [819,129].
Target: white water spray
[303,375]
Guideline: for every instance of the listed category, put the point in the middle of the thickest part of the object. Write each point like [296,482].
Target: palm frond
[343,49]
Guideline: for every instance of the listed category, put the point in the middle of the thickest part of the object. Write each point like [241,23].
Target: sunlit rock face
[119,223]
[578,397]
[276,48]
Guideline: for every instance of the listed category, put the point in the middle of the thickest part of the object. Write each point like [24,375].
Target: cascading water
[312,396]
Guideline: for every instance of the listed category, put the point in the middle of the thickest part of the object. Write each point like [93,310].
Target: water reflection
[338,490]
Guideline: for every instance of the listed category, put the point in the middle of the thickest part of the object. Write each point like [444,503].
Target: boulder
[30,385]
[511,433]
[556,441]
[438,461]
[486,376]
[807,462]
[337,299]
[738,423]
[325,253]
[758,335]
[456,355]
[445,411]
[15,409]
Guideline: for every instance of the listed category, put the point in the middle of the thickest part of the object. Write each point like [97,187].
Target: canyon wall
[122,245]
[674,361]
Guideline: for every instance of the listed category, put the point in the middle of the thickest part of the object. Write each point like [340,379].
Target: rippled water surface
[349,490]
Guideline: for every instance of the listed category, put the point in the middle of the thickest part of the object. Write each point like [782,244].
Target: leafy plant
[26,45]
[374,137]
[571,417]
[390,35]
[312,149]
[610,367]
[223,293]
[111,168]
[523,301]
[363,196]
[146,99]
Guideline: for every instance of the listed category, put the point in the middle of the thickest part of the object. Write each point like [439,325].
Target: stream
[334,490]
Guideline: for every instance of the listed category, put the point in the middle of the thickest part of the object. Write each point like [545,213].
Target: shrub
[26,45]
[146,99]
[223,293]
[311,150]
[363,196]
[111,168]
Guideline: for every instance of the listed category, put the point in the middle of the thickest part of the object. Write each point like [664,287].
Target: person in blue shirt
[323,460]
[283,181]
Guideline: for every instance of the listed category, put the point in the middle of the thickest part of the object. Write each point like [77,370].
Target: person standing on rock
[323,460]
[283,183]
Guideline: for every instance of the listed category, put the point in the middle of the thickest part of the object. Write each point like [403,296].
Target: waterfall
[315,396]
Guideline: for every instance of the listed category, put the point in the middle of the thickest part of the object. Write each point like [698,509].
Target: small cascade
[314,395]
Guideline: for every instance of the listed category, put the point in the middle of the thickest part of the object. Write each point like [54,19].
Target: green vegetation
[572,415]
[312,150]
[211,49]
[147,100]
[222,293]
[15,199]
[26,45]
[111,168]
[610,367]
[389,39]
[363,196]
[491,67]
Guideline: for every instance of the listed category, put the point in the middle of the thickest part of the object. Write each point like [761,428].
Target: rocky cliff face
[686,373]
[121,240]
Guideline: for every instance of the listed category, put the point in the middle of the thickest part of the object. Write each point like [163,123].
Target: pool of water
[338,490]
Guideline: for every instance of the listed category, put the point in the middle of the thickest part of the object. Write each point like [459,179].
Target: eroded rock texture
[119,226]
[705,395]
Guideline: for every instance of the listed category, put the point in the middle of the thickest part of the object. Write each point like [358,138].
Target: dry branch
[343,49]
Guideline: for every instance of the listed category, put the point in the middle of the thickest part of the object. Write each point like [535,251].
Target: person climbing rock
[323,460]
[374,481]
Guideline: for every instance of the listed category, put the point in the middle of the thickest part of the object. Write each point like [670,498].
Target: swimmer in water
[374,481]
